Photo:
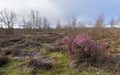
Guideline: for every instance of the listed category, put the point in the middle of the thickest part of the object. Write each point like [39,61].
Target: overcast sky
[84,10]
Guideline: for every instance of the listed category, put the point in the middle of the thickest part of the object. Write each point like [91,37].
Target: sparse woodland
[34,48]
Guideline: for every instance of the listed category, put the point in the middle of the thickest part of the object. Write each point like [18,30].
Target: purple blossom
[66,39]
[81,43]
[81,39]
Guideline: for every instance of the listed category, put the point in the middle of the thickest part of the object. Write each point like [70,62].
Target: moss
[27,35]
[61,33]
[93,71]
[61,67]
[13,69]
[62,59]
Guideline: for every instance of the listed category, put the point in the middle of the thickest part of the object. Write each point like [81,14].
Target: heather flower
[66,39]
[86,49]
[83,49]
[81,43]
[106,43]
[81,39]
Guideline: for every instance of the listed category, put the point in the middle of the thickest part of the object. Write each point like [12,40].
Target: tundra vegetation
[72,49]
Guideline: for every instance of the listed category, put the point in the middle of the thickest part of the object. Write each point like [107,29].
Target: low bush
[15,50]
[7,52]
[39,64]
[3,60]
[83,49]
[31,43]
[57,46]
[85,52]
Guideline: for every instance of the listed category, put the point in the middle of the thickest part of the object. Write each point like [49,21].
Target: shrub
[7,52]
[3,60]
[31,43]
[14,50]
[39,64]
[57,46]
[83,49]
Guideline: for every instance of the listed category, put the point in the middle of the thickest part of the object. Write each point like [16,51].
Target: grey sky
[84,10]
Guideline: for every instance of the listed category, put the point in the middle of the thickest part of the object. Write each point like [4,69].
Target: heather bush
[83,49]
[15,50]
[31,43]
[7,52]
[3,60]
[39,64]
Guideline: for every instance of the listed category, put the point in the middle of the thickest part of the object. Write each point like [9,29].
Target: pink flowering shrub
[82,47]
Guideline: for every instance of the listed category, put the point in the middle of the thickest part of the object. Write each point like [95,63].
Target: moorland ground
[39,52]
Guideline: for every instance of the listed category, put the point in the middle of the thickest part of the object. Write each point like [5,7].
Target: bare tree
[82,25]
[1,26]
[26,24]
[46,23]
[8,18]
[99,23]
[35,19]
[118,21]
[73,22]
[58,26]
[113,22]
